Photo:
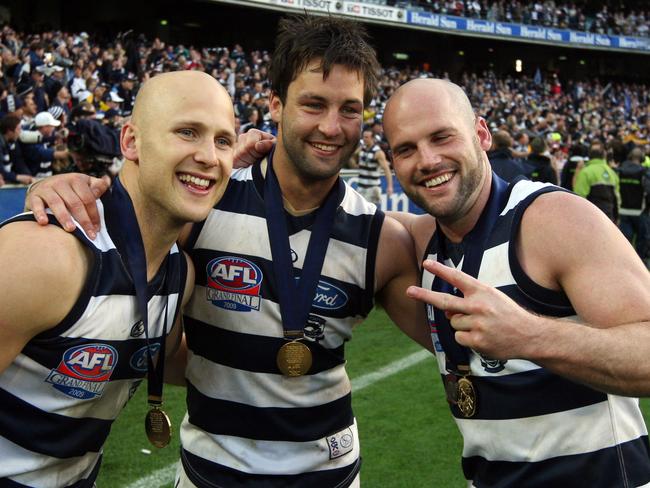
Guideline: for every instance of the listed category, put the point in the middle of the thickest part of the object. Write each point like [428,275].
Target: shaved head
[178,146]
[429,90]
[169,92]
[438,147]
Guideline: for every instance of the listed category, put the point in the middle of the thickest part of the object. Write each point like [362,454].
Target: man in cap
[39,155]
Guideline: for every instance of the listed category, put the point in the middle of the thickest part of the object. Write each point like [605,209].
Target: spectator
[577,158]
[540,162]
[599,183]
[634,188]
[12,165]
[500,156]
[39,156]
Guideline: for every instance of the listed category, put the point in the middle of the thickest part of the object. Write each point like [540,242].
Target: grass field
[408,438]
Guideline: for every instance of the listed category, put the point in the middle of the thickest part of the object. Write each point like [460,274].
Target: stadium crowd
[64,97]
[612,20]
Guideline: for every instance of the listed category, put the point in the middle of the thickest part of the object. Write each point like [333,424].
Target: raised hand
[485,319]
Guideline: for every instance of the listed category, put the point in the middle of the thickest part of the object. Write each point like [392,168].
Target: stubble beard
[308,166]
[460,203]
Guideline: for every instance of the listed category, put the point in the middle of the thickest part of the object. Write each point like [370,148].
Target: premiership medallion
[294,359]
[158,427]
[466,397]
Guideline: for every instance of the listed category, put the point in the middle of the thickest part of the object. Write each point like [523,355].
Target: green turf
[407,435]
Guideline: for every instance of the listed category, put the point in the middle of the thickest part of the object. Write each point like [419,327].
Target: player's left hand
[485,319]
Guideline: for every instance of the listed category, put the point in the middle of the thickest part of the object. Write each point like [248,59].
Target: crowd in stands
[63,98]
[612,20]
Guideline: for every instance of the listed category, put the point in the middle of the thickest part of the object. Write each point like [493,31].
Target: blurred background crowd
[603,19]
[64,97]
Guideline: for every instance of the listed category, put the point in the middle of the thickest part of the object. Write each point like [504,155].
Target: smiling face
[181,141]
[320,122]
[438,148]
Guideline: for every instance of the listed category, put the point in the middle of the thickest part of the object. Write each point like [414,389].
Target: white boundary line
[166,475]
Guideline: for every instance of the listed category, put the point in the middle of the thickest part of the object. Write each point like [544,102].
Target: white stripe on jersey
[338,331]
[30,375]
[268,457]
[520,191]
[277,390]
[42,471]
[562,435]
[98,324]
[344,259]
[354,205]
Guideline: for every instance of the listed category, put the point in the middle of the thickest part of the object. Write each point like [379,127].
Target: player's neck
[158,230]
[301,193]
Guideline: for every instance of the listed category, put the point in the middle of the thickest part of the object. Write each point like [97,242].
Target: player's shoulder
[42,250]
[44,270]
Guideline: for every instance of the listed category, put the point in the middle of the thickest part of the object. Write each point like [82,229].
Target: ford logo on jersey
[139,358]
[234,284]
[329,296]
[84,370]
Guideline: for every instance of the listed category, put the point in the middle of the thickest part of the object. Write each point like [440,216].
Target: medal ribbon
[457,355]
[121,214]
[295,312]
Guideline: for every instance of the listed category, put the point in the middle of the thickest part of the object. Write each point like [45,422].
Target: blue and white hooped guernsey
[533,428]
[247,424]
[61,394]
[369,168]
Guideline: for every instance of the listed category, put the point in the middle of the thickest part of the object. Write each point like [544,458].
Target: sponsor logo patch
[234,284]
[84,371]
[138,360]
[329,296]
[340,443]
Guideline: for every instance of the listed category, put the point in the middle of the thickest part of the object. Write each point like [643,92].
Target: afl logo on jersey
[234,284]
[329,296]
[84,370]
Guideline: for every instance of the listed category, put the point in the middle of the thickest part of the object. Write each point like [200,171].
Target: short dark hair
[502,139]
[538,145]
[337,41]
[8,122]
[596,150]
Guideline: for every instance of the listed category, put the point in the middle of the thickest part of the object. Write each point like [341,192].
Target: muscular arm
[43,272]
[567,243]
[176,346]
[396,269]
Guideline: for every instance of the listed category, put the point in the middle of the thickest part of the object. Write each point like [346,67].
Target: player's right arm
[43,272]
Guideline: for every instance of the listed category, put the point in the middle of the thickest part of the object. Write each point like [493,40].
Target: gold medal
[158,427]
[294,359]
[466,397]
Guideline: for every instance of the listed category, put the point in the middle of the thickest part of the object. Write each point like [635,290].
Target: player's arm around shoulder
[566,243]
[396,269]
[176,346]
[43,273]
